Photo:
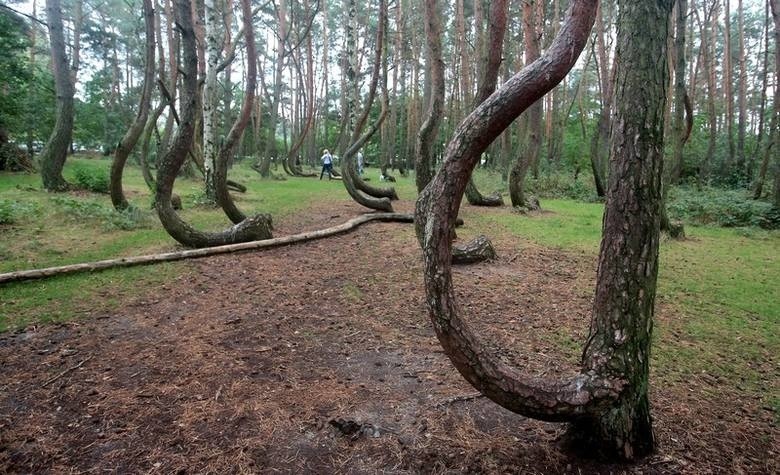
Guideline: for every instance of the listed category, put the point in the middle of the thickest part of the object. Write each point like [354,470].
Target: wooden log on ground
[204,252]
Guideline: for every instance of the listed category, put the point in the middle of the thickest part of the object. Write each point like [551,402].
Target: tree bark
[772,149]
[424,156]
[228,149]
[251,229]
[437,208]
[56,149]
[621,328]
[492,63]
[533,141]
[609,396]
[132,135]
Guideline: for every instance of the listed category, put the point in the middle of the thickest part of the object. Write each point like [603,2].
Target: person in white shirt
[327,164]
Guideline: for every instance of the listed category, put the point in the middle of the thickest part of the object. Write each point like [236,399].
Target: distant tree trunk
[728,89]
[534,134]
[679,126]
[271,150]
[708,29]
[490,63]
[423,163]
[742,95]
[56,149]
[680,130]
[599,145]
[251,229]
[228,149]
[128,142]
[210,99]
[772,148]
[762,102]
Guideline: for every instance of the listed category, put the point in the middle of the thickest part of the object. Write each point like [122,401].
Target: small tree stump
[478,250]
[676,230]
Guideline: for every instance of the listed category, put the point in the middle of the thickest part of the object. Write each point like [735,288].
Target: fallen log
[204,252]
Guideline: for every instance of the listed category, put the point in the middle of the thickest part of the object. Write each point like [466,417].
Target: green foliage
[560,186]
[126,220]
[12,211]
[729,208]
[92,179]
[13,73]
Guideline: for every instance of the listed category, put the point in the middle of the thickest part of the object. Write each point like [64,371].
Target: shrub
[12,211]
[558,185]
[126,220]
[92,179]
[728,208]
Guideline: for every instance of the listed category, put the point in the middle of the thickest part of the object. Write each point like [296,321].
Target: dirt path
[320,358]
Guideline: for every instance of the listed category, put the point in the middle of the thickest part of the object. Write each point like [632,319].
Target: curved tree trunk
[534,138]
[609,396]
[231,142]
[377,199]
[430,127]
[56,150]
[128,142]
[251,229]
[487,84]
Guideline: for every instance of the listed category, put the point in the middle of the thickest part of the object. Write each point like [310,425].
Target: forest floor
[320,358]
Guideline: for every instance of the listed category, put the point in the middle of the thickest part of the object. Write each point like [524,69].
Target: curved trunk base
[475,198]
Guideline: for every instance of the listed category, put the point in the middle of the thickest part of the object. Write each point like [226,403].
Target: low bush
[92,179]
[12,211]
[126,220]
[560,186]
[728,208]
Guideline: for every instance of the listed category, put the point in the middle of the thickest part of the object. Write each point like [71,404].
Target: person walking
[327,164]
[360,162]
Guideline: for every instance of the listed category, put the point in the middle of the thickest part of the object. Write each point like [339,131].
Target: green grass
[718,291]
[49,234]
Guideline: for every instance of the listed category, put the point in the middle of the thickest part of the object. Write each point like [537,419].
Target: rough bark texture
[609,396]
[619,343]
[132,135]
[430,127]
[437,209]
[251,229]
[56,150]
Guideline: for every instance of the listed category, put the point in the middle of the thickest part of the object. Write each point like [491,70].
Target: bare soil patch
[320,358]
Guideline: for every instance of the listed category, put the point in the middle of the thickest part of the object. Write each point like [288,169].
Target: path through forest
[320,358]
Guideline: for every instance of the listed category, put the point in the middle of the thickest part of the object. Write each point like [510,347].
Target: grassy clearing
[51,230]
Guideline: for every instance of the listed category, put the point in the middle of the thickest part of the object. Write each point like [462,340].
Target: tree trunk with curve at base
[56,150]
[251,229]
[607,401]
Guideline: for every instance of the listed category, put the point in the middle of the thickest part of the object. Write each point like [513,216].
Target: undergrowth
[92,178]
[126,220]
[717,206]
